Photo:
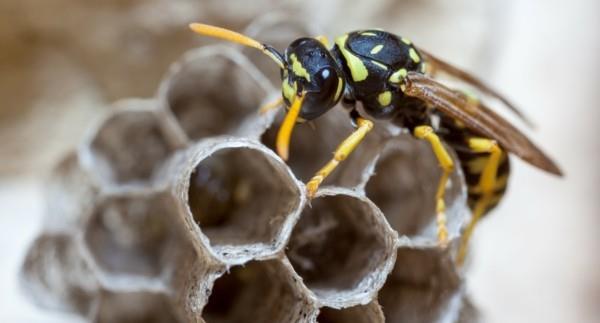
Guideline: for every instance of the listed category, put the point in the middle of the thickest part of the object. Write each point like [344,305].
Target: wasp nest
[176,209]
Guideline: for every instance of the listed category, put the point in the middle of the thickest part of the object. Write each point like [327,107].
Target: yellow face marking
[357,67]
[298,69]
[340,86]
[398,76]
[376,49]
[406,41]
[384,98]
[379,65]
[413,55]
[368,33]
[289,91]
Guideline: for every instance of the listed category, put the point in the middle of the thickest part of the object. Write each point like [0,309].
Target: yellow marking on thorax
[384,98]
[398,76]
[368,33]
[358,70]
[382,66]
[298,69]
[406,41]
[338,91]
[413,55]
[376,49]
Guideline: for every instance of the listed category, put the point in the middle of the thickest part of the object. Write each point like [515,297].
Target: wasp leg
[487,186]
[271,105]
[340,154]
[447,165]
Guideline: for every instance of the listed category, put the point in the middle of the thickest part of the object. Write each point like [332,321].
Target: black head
[311,70]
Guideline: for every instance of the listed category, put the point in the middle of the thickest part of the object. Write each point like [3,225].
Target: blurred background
[534,260]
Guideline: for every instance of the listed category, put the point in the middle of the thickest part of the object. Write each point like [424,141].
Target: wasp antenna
[232,36]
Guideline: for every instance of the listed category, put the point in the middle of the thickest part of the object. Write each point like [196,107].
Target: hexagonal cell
[55,275]
[70,196]
[134,234]
[313,144]
[240,200]
[404,187]
[134,307]
[260,291]
[215,90]
[128,145]
[342,248]
[277,29]
[423,287]
[370,313]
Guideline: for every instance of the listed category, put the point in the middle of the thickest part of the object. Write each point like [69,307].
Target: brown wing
[456,72]
[479,118]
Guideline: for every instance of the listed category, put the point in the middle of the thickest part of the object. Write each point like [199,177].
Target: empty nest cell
[128,146]
[215,91]
[423,287]
[134,234]
[70,196]
[342,248]
[242,198]
[404,184]
[259,291]
[370,313]
[136,307]
[55,275]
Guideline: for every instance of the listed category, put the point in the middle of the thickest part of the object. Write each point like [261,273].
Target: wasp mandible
[393,79]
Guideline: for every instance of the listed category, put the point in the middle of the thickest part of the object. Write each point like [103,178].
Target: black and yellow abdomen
[481,199]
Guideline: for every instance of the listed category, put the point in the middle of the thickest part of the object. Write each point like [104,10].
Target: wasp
[394,80]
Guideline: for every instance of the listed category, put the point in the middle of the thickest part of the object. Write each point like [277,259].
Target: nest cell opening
[213,94]
[241,196]
[136,307]
[256,292]
[336,244]
[404,185]
[129,146]
[56,275]
[423,287]
[370,313]
[133,235]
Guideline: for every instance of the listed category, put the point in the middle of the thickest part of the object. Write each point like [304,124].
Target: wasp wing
[458,73]
[478,118]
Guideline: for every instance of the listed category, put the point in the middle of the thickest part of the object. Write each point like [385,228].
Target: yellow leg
[447,165]
[486,187]
[271,105]
[341,153]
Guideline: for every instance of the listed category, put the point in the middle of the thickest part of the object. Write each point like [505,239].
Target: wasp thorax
[311,70]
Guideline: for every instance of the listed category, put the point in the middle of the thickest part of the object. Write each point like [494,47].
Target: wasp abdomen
[473,165]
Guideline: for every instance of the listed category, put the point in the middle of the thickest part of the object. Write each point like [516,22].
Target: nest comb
[176,209]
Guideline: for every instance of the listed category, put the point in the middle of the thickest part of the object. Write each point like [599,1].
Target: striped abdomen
[473,165]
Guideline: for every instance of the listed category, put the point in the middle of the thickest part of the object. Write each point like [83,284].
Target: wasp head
[311,71]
